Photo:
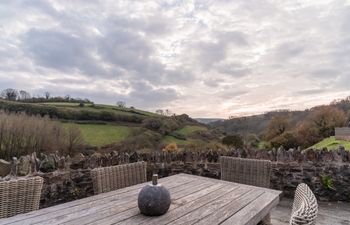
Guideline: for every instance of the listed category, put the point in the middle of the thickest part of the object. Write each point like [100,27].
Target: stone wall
[67,179]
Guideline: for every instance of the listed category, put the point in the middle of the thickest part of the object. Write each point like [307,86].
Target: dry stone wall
[67,179]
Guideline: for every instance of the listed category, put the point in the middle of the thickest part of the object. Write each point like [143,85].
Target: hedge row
[67,114]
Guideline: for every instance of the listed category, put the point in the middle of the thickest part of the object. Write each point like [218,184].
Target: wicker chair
[107,179]
[247,171]
[20,196]
[305,207]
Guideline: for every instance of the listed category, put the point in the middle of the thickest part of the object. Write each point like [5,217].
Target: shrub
[287,140]
[172,147]
[233,141]
[163,125]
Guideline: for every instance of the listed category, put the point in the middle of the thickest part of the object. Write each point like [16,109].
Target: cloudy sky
[206,58]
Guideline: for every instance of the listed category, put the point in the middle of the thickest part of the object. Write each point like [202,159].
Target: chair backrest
[107,179]
[305,207]
[246,171]
[20,196]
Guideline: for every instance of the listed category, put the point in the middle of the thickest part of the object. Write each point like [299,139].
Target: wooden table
[195,199]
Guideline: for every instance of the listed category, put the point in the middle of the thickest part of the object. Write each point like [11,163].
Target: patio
[330,213]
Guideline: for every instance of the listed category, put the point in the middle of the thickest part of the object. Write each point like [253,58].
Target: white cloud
[204,58]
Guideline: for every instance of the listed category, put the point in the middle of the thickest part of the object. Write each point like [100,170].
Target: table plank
[195,200]
[207,193]
[87,200]
[231,208]
[120,204]
[201,210]
[119,197]
[254,212]
[115,212]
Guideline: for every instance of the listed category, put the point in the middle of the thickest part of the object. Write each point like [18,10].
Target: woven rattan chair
[107,179]
[305,207]
[247,171]
[20,196]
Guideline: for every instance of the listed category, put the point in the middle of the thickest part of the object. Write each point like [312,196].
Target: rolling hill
[106,125]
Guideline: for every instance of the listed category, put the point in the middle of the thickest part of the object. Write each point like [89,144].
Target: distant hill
[258,123]
[208,120]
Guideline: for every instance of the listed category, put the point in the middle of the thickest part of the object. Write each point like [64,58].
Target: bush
[287,140]
[163,125]
[170,148]
[233,141]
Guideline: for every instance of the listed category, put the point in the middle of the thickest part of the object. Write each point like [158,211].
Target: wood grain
[195,200]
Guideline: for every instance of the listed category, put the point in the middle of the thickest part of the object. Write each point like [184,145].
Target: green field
[331,143]
[188,130]
[99,134]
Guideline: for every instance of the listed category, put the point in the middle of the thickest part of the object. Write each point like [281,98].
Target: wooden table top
[195,200]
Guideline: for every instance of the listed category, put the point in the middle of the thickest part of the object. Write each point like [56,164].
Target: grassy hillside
[75,111]
[102,134]
[128,128]
[331,143]
[188,130]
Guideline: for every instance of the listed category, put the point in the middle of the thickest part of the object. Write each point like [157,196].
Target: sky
[205,58]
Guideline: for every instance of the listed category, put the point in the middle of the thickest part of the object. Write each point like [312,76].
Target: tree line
[289,129]
[12,94]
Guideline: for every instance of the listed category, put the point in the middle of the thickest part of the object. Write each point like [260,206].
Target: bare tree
[160,111]
[23,95]
[10,94]
[47,95]
[168,112]
[121,104]
[74,140]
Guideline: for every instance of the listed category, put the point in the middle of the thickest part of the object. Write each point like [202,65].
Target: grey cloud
[161,53]
[288,50]
[61,51]
[234,37]
[209,54]
[311,91]
[325,73]
[234,71]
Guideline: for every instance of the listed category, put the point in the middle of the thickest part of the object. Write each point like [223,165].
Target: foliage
[310,126]
[287,140]
[277,126]
[234,140]
[170,148]
[163,125]
[252,141]
[21,134]
[327,181]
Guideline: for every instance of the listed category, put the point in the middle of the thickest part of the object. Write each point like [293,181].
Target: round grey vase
[154,199]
